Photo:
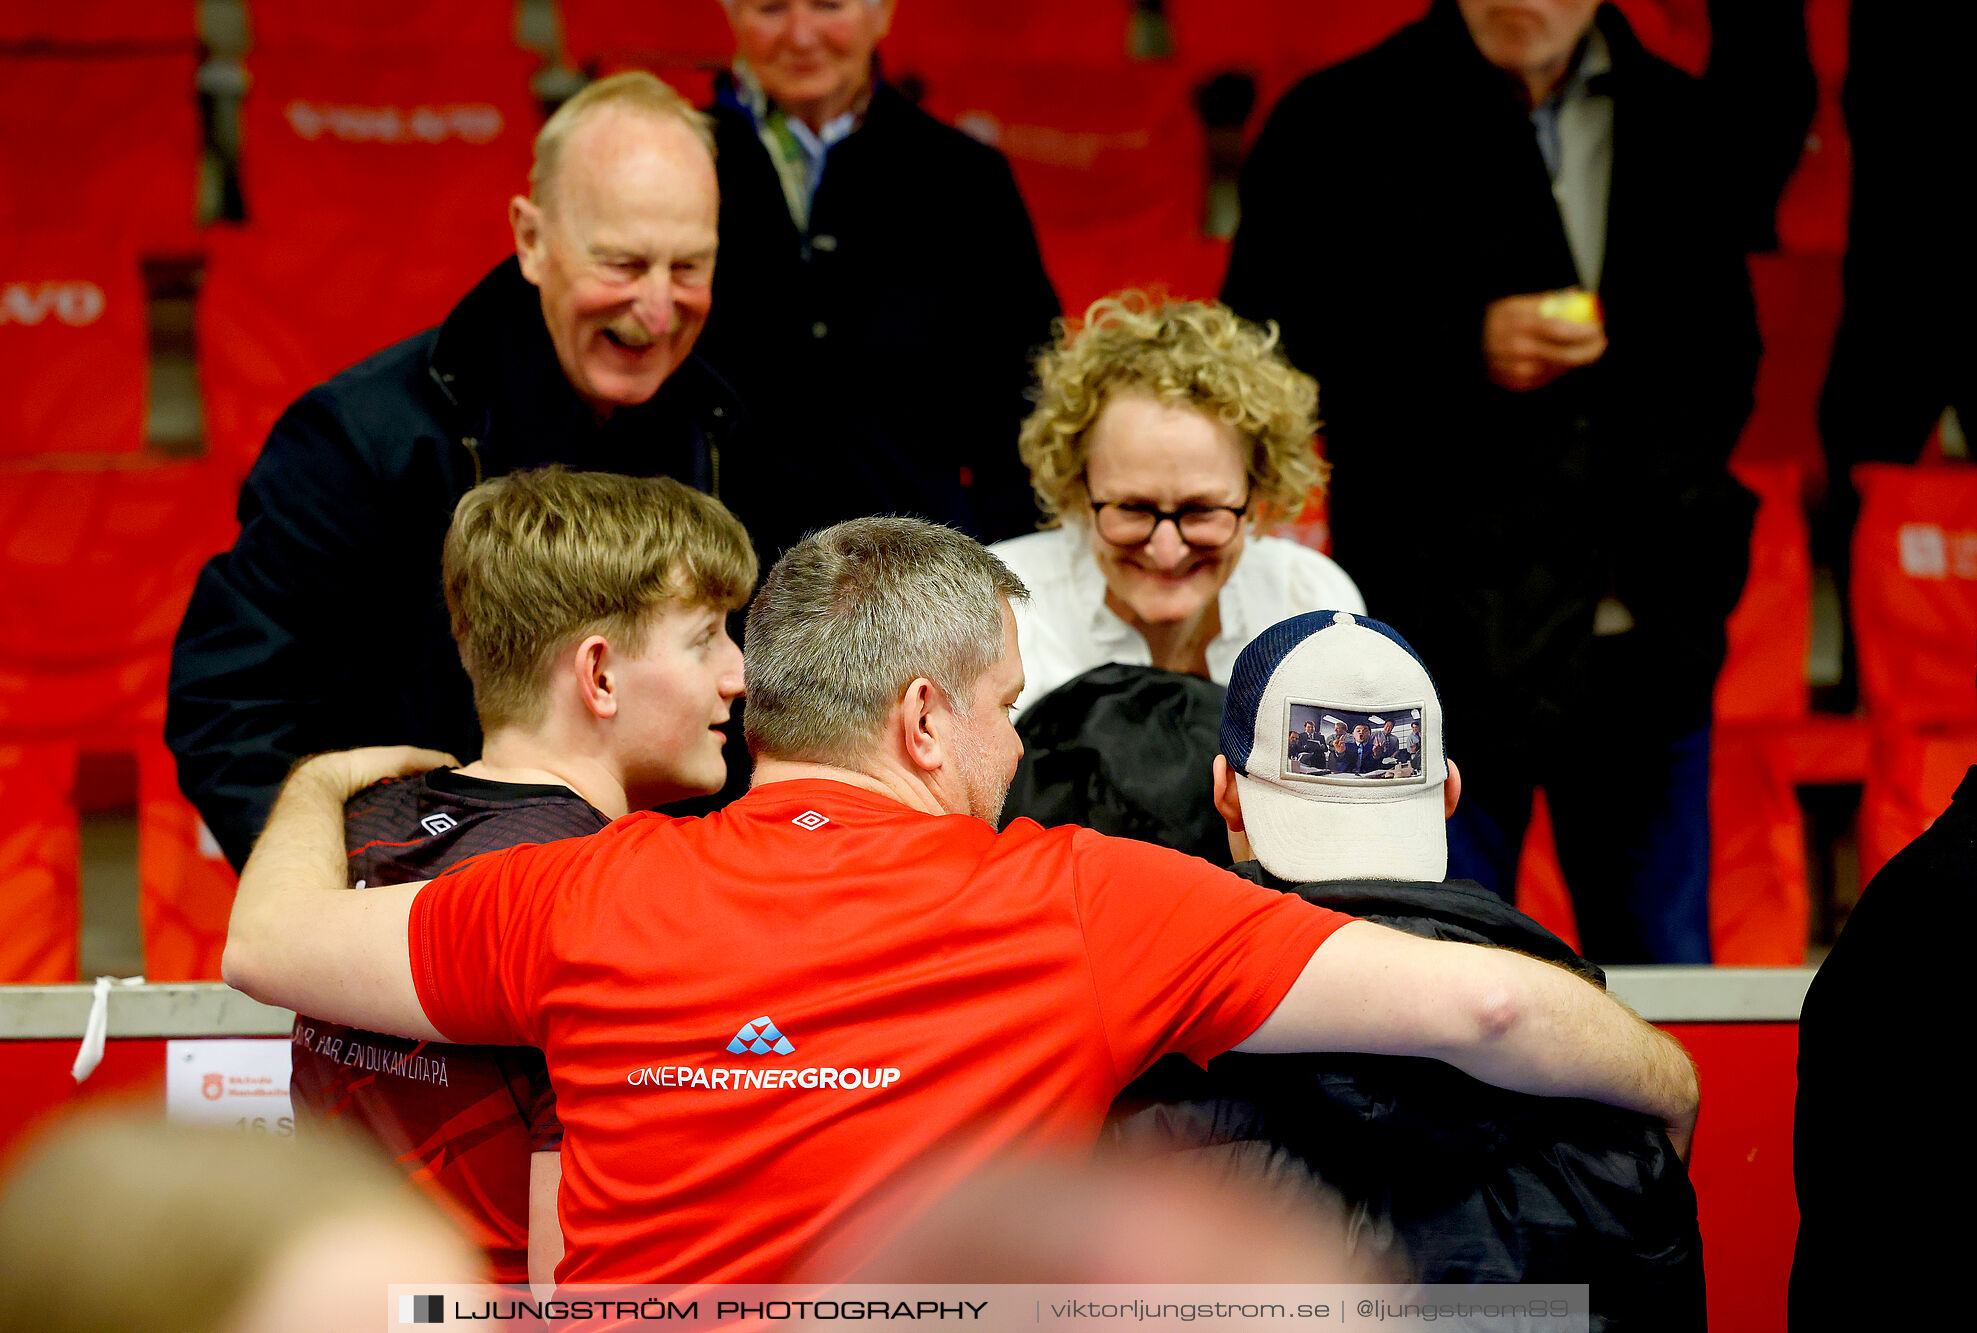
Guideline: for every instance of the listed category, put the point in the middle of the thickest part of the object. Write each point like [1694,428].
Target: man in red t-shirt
[847,990]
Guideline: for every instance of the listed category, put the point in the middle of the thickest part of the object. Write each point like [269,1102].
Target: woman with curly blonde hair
[1165,432]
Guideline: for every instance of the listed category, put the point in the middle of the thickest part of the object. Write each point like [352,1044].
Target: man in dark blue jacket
[1462,1182]
[324,626]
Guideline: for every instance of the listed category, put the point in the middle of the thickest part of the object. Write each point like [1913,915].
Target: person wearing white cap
[1465,1183]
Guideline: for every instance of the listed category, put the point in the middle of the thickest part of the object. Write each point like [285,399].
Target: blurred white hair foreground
[112,1221]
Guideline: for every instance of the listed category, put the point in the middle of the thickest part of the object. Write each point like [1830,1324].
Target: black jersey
[464,1118]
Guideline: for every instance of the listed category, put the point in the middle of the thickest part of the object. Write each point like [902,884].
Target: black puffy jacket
[1471,1183]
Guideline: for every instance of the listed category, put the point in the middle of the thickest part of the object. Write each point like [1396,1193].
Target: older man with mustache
[578,351]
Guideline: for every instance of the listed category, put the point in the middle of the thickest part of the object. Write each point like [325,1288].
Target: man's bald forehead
[614,140]
[635,97]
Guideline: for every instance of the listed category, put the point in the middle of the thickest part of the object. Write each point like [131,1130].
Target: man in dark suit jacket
[1416,219]
[1385,745]
[1366,750]
[880,291]
[1307,744]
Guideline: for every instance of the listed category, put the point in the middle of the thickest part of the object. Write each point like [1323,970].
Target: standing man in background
[880,291]
[324,626]
[1428,222]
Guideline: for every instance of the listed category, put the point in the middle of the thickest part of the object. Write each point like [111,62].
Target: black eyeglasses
[1133,522]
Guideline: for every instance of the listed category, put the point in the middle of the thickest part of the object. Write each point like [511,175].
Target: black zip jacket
[325,626]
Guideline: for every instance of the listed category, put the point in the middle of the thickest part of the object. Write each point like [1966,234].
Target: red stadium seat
[399,139]
[1278,42]
[448,26]
[1910,779]
[691,79]
[1915,594]
[1759,904]
[1112,163]
[609,35]
[95,570]
[40,913]
[120,23]
[185,886]
[1798,307]
[1771,628]
[1812,215]
[113,138]
[279,314]
[73,349]
[1675,30]
[931,34]
[1759,911]
[1541,893]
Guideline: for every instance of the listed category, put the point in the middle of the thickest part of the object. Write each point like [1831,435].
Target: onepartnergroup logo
[421,1309]
[759,1036]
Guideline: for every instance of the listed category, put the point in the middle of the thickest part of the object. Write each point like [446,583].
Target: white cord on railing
[98,1027]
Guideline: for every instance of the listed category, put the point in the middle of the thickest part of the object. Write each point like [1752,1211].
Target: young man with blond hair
[590,610]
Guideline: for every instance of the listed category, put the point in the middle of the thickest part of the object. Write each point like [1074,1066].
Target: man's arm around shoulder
[298,937]
[1500,1016]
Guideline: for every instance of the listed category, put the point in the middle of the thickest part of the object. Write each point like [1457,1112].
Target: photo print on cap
[1327,743]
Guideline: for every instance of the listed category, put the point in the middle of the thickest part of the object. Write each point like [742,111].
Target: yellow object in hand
[1575,304]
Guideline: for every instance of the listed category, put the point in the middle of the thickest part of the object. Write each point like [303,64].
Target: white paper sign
[236,1081]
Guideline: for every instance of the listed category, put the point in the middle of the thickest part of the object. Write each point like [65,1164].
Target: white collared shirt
[1065,628]
[1574,127]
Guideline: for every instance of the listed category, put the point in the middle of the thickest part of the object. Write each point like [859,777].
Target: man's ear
[525,217]
[1228,802]
[921,719]
[1451,790]
[590,663]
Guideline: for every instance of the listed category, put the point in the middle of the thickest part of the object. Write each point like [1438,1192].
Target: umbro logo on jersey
[759,1037]
[438,824]
[810,819]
